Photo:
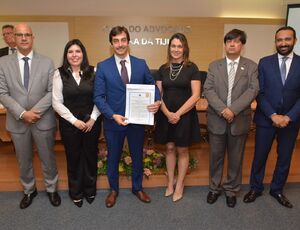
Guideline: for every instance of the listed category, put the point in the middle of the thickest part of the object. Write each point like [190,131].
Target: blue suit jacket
[110,91]
[274,97]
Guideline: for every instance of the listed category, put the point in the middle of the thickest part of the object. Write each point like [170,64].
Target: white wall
[50,38]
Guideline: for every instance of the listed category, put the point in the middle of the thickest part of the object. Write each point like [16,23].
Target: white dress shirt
[22,62]
[288,62]
[58,100]
[127,64]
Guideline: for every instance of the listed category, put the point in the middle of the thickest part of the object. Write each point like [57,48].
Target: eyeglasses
[27,35]
[7,33]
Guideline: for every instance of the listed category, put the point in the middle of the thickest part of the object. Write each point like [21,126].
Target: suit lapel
[116,73]
[133,73]
[223,71]
[293,68]
[239,71]
[33,70]
[16,67]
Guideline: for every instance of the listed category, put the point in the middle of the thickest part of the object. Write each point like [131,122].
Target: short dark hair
[287,28]
[236,33]
[118,30]
[7,26]
[85,67]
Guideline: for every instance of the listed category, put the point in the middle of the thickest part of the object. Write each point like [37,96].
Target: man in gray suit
[230,87]
[25,91]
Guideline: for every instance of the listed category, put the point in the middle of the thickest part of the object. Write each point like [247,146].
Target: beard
[285,50]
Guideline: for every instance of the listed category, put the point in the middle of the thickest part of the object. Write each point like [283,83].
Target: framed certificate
[138,97]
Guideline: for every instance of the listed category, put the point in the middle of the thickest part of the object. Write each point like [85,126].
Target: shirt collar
[228,61]
[20,56]
[118,59]
[290,56]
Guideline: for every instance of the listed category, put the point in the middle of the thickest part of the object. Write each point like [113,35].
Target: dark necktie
[283,69]
[124,73]
[26,72]
[13,50]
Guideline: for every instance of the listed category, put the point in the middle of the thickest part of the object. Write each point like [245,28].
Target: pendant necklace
[175,71]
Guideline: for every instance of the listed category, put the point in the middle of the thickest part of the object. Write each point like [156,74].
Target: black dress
[176,91]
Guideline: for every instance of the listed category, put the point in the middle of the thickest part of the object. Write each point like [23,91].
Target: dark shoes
[251,196]
[78,203]
[90,199]
[231,201]
[142,196]
[111,199]
[281,199]
[27,199]
[212,197]
[54,198]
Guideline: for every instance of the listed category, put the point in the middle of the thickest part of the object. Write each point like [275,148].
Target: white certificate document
[138,97]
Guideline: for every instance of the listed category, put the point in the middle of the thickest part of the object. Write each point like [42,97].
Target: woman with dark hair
[79,121]
[177,122]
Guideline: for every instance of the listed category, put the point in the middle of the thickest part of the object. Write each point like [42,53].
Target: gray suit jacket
[16,98]
[244,91]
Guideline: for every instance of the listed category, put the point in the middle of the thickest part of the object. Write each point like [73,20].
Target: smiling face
[120,45]
[176,51]
[74,56]
[24,38]
[284,42]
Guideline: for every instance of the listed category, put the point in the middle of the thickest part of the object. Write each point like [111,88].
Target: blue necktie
[283,69]
[26,72]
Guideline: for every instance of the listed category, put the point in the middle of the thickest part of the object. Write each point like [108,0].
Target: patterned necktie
[231,76]
[124,73]
[283,69]
[26,72]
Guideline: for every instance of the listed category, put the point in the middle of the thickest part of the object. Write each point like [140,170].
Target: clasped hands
[121,120]
[84,126]
[228,115]
[31,116]
[280,121]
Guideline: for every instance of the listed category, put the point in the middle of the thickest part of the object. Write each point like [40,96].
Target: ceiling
[169,8]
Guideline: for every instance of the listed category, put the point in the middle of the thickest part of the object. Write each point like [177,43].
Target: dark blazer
[274,97]
[110,91]
[4,51]
[244,91]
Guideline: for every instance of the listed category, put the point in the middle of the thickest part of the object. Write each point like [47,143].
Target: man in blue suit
[110,98]
[277,115]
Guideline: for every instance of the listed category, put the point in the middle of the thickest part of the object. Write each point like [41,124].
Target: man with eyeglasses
[8,37]
[26,92]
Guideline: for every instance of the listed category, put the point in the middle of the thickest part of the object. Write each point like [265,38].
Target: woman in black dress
[79,121]
[177,122]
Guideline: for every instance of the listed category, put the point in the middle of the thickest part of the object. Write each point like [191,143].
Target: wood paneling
[205,36]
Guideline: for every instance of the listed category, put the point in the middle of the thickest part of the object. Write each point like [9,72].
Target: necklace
[175,71]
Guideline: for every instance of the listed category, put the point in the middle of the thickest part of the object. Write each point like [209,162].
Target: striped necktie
[231,76]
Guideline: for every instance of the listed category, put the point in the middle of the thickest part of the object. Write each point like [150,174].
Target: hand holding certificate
[138,98]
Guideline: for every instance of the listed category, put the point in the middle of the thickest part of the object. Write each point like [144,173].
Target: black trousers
[82,155]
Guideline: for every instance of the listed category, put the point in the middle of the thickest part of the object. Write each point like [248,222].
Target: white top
[288,62]
[127,64]
[58,100]
[22,62]
[236,63]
